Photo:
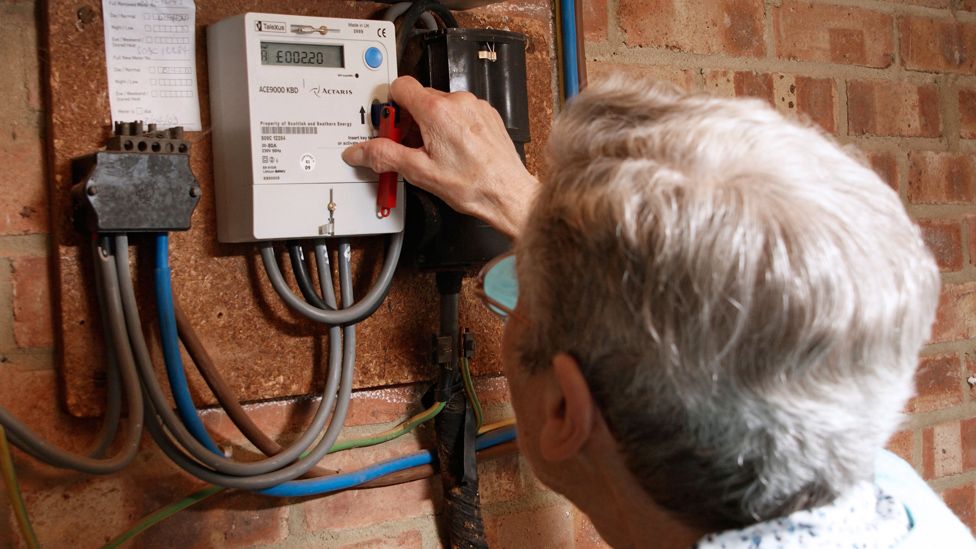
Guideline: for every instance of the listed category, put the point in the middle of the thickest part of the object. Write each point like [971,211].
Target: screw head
[194,191]
[92,190]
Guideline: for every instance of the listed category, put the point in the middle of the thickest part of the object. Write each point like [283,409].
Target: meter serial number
[278,89]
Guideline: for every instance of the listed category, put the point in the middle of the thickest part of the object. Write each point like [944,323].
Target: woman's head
[745,298]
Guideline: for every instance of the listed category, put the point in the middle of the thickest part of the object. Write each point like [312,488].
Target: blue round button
[373,58]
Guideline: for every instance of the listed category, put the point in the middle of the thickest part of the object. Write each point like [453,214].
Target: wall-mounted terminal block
[141,182]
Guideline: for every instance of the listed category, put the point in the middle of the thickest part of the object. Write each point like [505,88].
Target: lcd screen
[303,55]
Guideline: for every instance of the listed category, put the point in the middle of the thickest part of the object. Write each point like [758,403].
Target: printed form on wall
[149,52]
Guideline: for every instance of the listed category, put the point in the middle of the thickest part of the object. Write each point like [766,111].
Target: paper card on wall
[151,62]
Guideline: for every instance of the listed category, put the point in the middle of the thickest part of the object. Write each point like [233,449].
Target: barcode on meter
[277,130]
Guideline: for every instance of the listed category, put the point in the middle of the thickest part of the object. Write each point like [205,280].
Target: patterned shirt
[865,517]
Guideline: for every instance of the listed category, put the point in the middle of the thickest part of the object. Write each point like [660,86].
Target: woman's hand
[467,159]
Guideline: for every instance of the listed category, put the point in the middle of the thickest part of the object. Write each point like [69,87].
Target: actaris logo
[270,26]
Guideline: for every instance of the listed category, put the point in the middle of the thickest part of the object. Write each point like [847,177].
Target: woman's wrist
[508,206]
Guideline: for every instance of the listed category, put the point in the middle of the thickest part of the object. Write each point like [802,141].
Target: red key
[386,196]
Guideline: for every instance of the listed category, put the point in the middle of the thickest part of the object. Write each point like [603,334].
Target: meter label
[283,143]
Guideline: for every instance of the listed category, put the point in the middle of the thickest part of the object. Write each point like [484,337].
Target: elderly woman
[718,317]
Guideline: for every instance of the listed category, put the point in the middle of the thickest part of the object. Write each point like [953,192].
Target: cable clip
[467,344]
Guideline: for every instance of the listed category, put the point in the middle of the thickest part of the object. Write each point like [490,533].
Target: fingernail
[353,155]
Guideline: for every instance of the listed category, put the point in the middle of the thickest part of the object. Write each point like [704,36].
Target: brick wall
[893,77]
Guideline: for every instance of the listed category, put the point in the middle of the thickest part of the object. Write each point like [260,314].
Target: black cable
[457,429]
[409,19]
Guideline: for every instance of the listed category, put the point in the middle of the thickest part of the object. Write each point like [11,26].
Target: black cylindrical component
[491,65]
[488,63]
[456,429]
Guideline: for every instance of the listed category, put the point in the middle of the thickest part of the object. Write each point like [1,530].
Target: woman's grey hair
[746,299]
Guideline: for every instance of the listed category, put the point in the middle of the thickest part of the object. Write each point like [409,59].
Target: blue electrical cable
[169,338]
[567,16]
[325,485]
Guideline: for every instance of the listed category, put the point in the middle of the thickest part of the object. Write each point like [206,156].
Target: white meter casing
[288,94]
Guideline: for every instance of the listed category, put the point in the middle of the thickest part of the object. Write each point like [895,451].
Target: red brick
[724,83]
[944,238]
[971,233]
[902,444]
[278,419]
[937,383]
[360,508]
[876,107]
[968,5]
[233,519]
[967,113]
[732,27]
[410,539]
[683,78]
[23,188]
[926,3]
[962,501]
[492,391]
[383,405]
[546,527]
[751,84]
[23,191]
[32,397]
[85,512]
[720,83]
[595,20]
[941,178]
[816,97]
[586,535]
[32,302]
[942,450]
[500,479]
[833,34]
[968,438]
[275,418]
[937,45]
[955,318]
[885,164]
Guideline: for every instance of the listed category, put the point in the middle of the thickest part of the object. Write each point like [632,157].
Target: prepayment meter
[287,94]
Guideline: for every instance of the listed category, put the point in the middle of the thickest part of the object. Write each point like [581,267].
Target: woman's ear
[569,410]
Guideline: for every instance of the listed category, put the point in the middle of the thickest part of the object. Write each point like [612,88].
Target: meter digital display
[304,55]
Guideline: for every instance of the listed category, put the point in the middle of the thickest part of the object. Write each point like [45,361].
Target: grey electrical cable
[113,402]
[299,267]
[324,268]
[172,450]
[354,313]
[398,9]
[34,445]
[170,419]
[113,384]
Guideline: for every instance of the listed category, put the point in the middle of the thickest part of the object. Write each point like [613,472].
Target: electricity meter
[287,94]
